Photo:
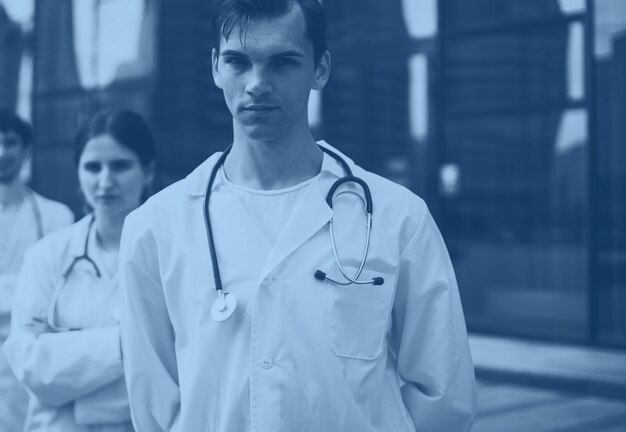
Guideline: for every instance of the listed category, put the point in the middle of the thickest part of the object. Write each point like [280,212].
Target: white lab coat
[298,354]
[54,215]
[75,377]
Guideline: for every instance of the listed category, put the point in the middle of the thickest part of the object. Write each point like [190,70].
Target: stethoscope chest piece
[223,306]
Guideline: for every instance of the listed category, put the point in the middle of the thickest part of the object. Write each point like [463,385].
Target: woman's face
[111,176]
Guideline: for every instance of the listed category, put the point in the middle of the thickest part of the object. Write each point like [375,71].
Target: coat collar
[196,182]
[79,232]
[311,214]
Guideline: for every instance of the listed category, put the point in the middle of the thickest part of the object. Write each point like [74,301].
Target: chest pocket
[358,315]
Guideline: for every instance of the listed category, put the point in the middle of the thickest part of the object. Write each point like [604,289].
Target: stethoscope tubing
[207,222]
[349,177]
[63,279]
[344,273]
[36,213]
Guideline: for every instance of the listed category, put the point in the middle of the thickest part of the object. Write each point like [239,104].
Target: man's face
[13,152]
[267,75]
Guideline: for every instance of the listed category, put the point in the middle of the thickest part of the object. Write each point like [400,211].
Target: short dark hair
[11,122]
[228,14]
[126,127]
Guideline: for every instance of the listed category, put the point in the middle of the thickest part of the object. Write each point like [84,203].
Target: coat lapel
[310,215]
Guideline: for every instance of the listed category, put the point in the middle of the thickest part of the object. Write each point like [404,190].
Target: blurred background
[507,116]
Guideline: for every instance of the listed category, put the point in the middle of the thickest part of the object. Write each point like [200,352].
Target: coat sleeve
[56,367]
[108,404]
[429,337]
[147,333]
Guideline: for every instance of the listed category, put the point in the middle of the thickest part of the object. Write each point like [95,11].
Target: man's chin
[261,132]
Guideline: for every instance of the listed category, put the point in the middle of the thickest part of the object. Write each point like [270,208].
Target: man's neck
[269,165]
[11,194]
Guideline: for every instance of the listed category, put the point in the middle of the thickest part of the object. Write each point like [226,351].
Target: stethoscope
[36,213]
[63,280]
[226,302]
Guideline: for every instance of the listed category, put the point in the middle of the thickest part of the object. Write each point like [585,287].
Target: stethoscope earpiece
[321,276]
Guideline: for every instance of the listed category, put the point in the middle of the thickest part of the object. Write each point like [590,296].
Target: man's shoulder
[399,208]
[161,203]
[385,193]
[391,194]
[171,200]
[49,206]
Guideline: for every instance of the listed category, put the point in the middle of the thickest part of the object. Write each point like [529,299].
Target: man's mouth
[259,108]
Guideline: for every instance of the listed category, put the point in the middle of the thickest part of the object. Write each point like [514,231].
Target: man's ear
[215,56]
[322,71]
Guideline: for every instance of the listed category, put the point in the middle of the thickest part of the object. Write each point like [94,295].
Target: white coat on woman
[76,377]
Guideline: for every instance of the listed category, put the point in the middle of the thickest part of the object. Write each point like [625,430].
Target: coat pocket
[359,315]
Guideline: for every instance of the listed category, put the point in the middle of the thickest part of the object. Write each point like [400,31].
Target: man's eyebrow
[231,52]
[288,53]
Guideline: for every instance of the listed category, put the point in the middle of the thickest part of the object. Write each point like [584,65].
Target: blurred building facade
[11,50]
[507,116]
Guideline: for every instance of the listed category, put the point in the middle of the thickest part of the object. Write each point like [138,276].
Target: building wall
[365,107]
[516,153]
[11,47]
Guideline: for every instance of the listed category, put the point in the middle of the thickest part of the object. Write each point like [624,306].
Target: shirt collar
[196,182]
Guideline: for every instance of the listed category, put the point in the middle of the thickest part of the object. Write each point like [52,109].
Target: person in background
[25,217]
[64,342]
[251,300]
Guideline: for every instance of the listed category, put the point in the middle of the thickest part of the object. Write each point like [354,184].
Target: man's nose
[258,82]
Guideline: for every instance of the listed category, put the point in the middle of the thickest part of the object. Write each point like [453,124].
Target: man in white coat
[302,348]
[25,217]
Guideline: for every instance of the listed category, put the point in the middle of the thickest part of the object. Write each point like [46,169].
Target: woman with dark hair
[64,343]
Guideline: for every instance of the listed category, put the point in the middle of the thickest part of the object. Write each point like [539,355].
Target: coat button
[267,362]
[267,281]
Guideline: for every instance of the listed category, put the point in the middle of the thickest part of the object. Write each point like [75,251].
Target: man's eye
[235,61]
[286,61]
